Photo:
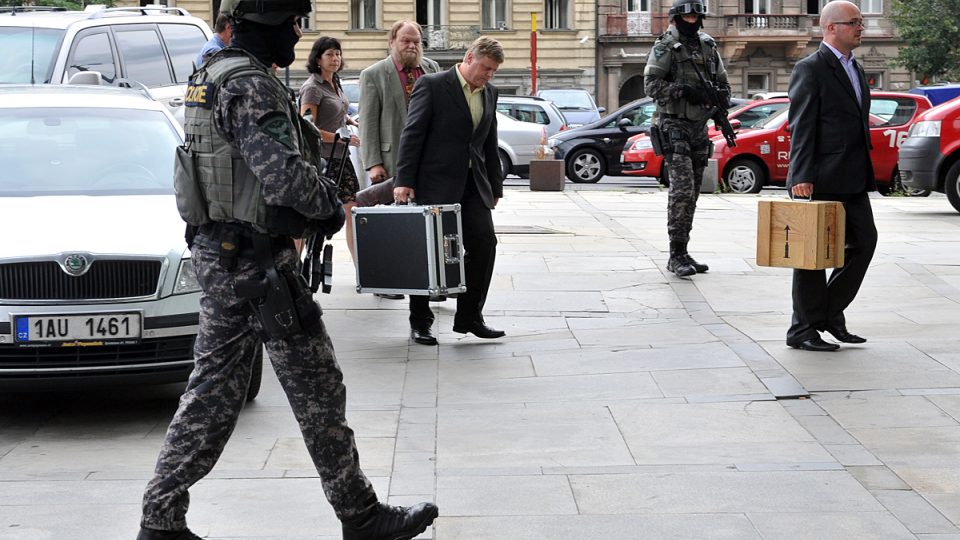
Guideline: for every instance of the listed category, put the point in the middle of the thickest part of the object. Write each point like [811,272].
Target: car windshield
[85,151]
[566,100]
[774,121]
[20,45]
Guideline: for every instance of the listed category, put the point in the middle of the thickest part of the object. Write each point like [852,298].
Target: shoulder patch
[276,125]
[199,95]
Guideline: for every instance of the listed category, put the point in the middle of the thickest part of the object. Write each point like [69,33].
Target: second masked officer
[248,182]
[681,67]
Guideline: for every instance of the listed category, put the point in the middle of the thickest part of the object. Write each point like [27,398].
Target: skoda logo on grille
[75,264]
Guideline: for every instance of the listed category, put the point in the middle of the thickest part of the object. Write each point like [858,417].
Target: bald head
[842,25]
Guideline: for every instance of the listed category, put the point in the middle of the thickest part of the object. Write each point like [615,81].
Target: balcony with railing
[449,37]
[617,23]
[767,26]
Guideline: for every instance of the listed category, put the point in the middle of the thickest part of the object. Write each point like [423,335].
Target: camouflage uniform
[229,330]
[668,78]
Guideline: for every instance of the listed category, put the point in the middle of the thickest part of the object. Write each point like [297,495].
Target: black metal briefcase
[409,249]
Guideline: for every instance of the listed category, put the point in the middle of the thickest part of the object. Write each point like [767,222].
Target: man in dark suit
[448,154]
[830,161]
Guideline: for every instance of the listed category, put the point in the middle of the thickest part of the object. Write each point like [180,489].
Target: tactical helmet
[269,12]
[687,7]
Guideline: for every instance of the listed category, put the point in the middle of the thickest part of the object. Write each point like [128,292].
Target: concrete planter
[546,175]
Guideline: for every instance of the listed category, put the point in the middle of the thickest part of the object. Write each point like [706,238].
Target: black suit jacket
[829,130]
[438,143]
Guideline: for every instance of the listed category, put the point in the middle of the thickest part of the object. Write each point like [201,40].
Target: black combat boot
[680,262]
[385,522]
[154,534]
[699,267]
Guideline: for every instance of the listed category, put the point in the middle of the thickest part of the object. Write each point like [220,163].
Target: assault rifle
[719,108]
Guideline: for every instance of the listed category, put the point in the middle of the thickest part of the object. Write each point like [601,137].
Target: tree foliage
[931,29]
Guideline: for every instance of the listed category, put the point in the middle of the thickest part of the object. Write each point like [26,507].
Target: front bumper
[918,161]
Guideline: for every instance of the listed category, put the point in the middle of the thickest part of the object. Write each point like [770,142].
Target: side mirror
[601,110]
[624,123]
[735,124]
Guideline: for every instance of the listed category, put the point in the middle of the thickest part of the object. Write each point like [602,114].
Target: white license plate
[91,327]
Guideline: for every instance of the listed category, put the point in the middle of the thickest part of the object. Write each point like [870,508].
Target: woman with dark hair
[322,97]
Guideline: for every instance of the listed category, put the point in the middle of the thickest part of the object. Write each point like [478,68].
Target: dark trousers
[819,302]
[480,251]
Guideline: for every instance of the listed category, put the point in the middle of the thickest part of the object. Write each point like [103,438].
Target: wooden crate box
[807,235]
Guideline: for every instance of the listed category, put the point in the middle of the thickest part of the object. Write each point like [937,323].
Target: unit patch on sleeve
[276,125]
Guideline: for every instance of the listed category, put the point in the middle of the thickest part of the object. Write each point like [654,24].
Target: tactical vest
[670,60]
[212,180]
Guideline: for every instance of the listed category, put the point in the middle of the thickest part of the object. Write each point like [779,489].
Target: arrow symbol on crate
[786,244]
[828,241]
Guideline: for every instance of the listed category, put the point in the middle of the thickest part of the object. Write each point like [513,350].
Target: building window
[306,23]
[642,6]
[872,7]
[756,7]
[495,15]
[364,14]
[556,14]
[814,6]
[757,83]
[874,80]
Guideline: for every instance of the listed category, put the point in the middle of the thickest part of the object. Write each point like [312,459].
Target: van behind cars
[930,155]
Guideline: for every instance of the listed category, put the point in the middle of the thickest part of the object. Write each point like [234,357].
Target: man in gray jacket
[385,89]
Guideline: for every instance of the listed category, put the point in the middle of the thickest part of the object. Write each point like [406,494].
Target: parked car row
[930,155]
[762,154]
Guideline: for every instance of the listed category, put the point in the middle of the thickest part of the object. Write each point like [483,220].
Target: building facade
[760,41]
[566,35]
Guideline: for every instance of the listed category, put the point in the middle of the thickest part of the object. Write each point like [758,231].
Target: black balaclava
[269,44]
[688,29]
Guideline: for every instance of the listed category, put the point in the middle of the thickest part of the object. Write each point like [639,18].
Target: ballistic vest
[223,185]
[670,60]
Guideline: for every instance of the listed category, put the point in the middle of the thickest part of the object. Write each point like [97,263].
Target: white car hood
[119,225]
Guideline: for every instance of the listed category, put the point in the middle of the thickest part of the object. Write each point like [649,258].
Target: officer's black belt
[214,235]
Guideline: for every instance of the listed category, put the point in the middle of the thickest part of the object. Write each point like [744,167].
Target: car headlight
[641,144]
[925,128]
[186,278]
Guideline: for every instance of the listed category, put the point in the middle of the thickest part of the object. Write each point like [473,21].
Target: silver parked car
[534,110]
[518,142]
[96,283]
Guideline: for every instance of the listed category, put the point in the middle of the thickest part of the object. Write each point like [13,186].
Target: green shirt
[474,99]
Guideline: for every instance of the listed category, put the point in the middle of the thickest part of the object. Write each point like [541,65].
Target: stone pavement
[624,403]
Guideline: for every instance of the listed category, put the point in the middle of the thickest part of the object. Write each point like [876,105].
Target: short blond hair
[487,46]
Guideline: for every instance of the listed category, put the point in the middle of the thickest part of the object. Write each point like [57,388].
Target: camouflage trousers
[689,151]
[308,371]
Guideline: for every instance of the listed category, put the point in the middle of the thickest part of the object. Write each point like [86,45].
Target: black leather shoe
[842,335]
[423,336]
[478,329]
[389,296]
[154,534]
[814,344]
[386,522]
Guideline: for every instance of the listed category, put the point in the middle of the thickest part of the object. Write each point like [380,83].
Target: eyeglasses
[695,7]
[855,22]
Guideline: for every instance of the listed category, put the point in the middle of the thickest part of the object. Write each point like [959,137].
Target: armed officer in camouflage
[681,65]
[247,182]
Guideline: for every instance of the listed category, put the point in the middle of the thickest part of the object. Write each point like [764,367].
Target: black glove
[695,95]
[724,96]
[330,226]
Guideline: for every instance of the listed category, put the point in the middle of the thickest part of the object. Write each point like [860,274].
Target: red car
[762,154]
[638,158]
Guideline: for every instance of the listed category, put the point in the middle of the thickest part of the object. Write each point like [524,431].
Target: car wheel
[505,164]
[952,186]
[585,166]
[256,375]
[896,187]
[744,176]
